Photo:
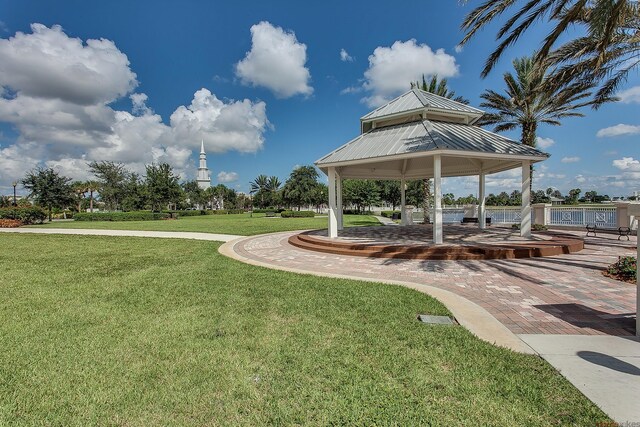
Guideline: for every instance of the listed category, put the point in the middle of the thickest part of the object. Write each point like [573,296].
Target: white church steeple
[203,179]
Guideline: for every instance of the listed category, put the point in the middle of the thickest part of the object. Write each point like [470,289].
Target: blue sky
[263,83]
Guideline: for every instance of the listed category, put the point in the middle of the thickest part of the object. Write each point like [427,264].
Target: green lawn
[242,224]
[139,332]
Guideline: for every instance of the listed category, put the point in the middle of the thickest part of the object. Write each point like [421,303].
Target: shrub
[355,212]
[515,226]
[276,210]
[121,216]
[10,223]
[26,214]
[626,268]
[539,227]
[389,214]
[297,214]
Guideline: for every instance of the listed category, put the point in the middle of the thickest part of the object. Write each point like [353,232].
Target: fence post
[622,214]
[541,212]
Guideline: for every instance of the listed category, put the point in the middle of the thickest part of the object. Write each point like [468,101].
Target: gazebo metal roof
[418,125]
[417,99]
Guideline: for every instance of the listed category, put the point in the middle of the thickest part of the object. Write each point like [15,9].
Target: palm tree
[609,46]
[92,187]
[259,185]
[438,87]
[273,185]
[530,100]
[80,191]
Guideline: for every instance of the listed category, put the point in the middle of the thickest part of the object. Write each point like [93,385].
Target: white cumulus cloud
[392,69]
[627,163]
[544,143]
[570,159]
[49,64]
[67,126]
[345,57]
[618,130]
[630,95]
[225,177]
[276,61]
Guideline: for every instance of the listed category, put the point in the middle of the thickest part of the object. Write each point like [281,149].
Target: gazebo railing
[504,214]
[604,216]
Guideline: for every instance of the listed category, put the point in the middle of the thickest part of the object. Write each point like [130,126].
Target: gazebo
[421,135]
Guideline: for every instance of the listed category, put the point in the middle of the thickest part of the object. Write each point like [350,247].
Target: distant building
[556,200]
[204,178]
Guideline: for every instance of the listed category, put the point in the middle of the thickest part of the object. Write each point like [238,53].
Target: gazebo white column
[437,194]
[339,201]
[525,213]
[403,202]
[482,215]
[333,208]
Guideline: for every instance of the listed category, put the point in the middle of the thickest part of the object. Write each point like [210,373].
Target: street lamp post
[15,184]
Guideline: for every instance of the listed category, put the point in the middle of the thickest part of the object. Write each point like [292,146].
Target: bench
[475,221]
[594,229]
[269,214]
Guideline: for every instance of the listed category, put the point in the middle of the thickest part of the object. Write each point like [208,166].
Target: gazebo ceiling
[401,143]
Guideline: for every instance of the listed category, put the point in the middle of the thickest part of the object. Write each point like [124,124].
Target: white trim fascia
[448,153]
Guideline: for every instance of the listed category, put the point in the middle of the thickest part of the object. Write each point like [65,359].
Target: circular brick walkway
[564,294]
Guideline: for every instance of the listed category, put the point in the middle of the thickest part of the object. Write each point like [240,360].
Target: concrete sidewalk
[606,369]
[126,233]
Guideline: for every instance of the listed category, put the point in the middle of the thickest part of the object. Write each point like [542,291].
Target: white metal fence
[504,214]
[604,216]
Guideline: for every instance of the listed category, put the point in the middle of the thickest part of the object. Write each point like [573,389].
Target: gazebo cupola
[418,105]
[422,135]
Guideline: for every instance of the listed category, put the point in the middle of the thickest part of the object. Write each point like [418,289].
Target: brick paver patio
[564,294]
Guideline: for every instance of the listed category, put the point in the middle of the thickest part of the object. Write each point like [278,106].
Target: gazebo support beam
[339,202]
[403,201]
[333,220]
[437,194]
[482,214]
[525,213]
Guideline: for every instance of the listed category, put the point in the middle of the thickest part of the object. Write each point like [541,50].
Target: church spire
[203,178]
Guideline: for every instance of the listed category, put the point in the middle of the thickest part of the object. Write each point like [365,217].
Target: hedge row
[276,210]
[187,213]
[226,212]
[26,215]
[297,214]
[120,216]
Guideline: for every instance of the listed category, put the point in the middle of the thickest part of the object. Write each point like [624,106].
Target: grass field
[139,332]
[242,224]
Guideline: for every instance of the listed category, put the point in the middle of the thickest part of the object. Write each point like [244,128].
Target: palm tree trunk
[529,138]
[91,202]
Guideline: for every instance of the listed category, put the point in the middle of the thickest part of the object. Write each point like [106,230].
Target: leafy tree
[135,193]
[448,199]
[438,87]
[112,178]
[299,188]
[572,198]
[539,196]
[162,185]
[360,193]
[49,189]
[389,192]
[320,195]
[599,38]
[194,194]
[590,196]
